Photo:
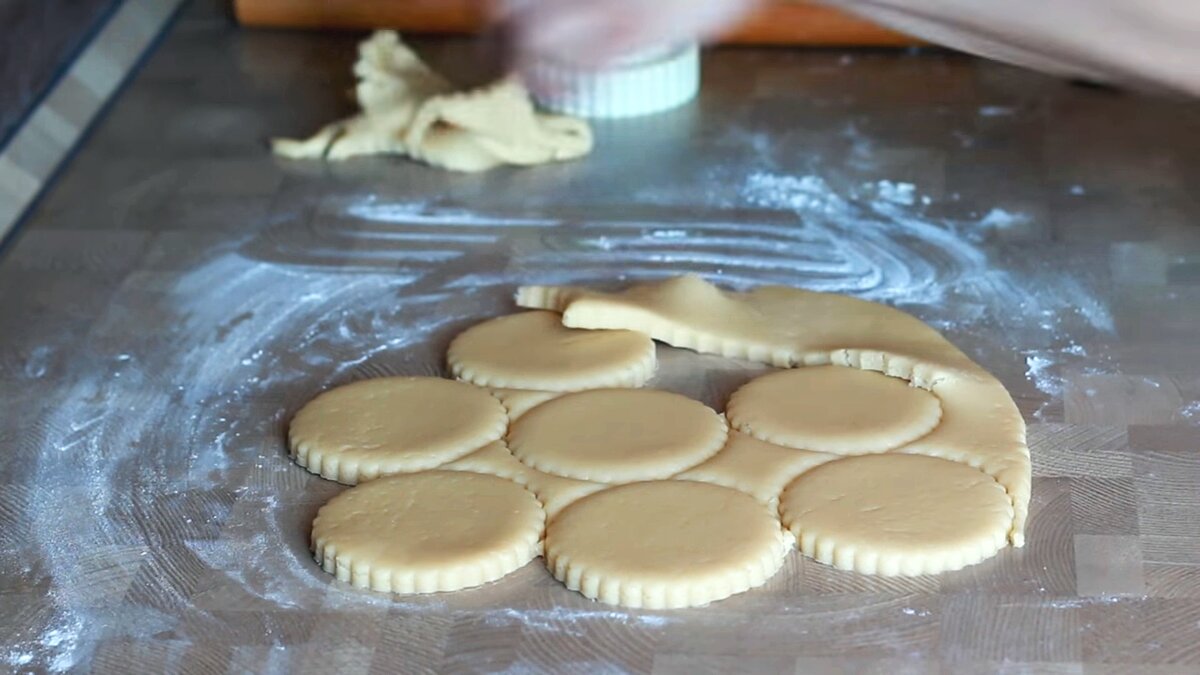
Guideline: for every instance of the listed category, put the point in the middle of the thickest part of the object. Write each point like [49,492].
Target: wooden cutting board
[778,22]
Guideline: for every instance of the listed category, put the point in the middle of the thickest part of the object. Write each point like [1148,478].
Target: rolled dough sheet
[833,409]
[533,350]
[896,514]
[617,435]
[788,327]
[554,492]
[407,109]
[428,532]
[517,402]
[758,468]
[661,544]
[393,425]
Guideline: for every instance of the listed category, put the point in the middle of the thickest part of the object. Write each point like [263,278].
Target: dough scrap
[982,427]
[833,409]
[520,401]
[758,468]
[778,325]
[617,435]
[392,425]
[895,514]
[554,492]
[533,350]
[664,544]
[786,327]
[428,532]
[408,109]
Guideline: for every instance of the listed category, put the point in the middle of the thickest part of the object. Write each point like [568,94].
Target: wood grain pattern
[179,294]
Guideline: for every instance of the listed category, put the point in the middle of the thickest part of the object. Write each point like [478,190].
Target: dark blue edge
[10,237]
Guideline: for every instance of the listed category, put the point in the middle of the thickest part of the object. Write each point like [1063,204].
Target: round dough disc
[428,532]
[617,435]
[533,350]
[897,514]
[393,425]
[833,409]
[662,544]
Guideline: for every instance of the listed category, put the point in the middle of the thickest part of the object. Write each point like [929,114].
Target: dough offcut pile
[880,448]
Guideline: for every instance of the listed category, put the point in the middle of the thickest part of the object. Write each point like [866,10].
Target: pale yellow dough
[896,514]
[663,544]
[833,409]
[758,468]
[517,402]
[617,435]
[533,350]
[428,532]
[407,109]
[787,327]
[393,425]
[554,492]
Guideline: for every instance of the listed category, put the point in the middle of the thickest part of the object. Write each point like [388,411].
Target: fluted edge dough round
[833,409]
[897,515]
[664,544]
[393,425]
[617,435]
[428,532]
[533,350]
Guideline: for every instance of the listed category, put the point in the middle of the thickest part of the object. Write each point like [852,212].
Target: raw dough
[408,109]
[533,350]
[833,409]
[428,532]
[617,435]
[787,326]
[779,325]
[554,492]
[758,468]
[520,401]
[662,544]
[896,514]
[982,427]
[393,425]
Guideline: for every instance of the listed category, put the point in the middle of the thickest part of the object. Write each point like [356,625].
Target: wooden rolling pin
[777,23]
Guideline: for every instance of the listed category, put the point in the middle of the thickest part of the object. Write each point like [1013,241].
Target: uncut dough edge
[690,313]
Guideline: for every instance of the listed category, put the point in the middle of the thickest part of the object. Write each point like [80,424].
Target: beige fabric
[428,532]
[833,409]
[533,350]
[407,109]
[392,425]
[617,435]
[897,514]
[662,544]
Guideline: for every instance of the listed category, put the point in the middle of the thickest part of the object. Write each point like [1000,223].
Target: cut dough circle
[393,425]
[533,350]
[428,532]
[895,514]
[617,435]
[833,409]
[663,544]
